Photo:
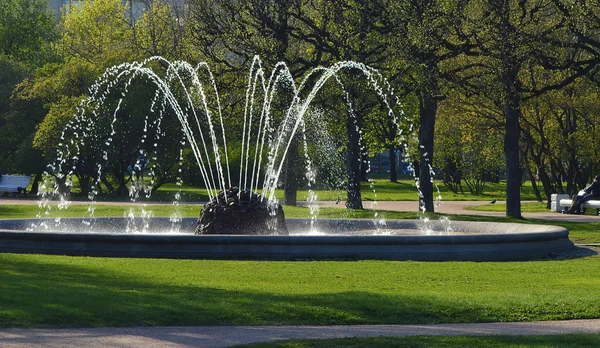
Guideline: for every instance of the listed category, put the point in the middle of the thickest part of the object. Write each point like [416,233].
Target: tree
[467,137]
[381,132]
[11,73]
[98,32]
[26,30]
[305,34]
[161,32]
[557,127]
[513,36]
[426,36]
[95,36]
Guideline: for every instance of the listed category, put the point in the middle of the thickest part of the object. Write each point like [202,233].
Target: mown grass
[18,211]
[50,291]
[378,190]
[554,341]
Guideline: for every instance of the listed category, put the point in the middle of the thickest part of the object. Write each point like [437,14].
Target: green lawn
[558,341]
[43,291]
[59,291]
[380,190]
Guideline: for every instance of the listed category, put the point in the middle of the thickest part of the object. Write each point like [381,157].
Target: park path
[461,208]
[225,336]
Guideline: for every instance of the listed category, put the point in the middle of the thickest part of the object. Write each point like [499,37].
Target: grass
[50,291]
[567,341]
[59,291]
[185,210]
[379,190]
[100,210]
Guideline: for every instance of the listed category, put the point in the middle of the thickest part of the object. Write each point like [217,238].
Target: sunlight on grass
[520,341]
[43,290]
[379,190]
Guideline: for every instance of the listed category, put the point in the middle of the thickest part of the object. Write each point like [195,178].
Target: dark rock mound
[246,213]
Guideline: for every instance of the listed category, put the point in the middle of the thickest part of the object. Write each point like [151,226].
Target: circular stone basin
[327,239]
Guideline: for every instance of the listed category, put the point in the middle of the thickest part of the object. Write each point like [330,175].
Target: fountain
[242,221]
[235,212]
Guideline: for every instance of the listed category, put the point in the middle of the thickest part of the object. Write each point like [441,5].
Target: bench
[14,184]
[594,203]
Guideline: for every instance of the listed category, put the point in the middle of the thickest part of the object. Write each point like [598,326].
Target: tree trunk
[428,105]
[533,180]
[291,169]
[393,171]
[36,183]
[84,184]
[354,199]
[508,79]
[511,151]
[282,42]
[547,185]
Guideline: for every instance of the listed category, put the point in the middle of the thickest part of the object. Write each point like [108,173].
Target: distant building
[57,4]
[138,6]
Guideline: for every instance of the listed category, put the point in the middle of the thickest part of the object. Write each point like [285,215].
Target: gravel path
[225,336]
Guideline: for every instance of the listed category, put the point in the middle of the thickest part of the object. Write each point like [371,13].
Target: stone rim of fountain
[523,242]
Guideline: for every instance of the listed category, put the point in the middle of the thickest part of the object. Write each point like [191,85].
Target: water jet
[88,144]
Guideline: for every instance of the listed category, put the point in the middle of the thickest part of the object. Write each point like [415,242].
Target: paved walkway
[225,336]
[461,207]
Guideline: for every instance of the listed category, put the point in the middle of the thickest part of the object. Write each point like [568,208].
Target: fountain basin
[345,239]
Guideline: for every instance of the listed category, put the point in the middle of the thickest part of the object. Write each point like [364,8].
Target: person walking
[590,192]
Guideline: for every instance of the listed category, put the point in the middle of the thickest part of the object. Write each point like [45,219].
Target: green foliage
[97,35]
[49,131]
[18,121]
[55,81]
[557,128]
[467,146]
[160,32]
[97,31]
[482,57]
[26,30]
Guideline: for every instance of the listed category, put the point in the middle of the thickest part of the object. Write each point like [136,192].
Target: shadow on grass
[36,291]
[60,295]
